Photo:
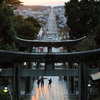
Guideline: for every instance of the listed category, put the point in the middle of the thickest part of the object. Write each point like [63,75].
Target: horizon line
[42,5]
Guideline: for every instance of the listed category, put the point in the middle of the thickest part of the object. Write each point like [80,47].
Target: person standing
[42,81]
[38,82]
[50,81]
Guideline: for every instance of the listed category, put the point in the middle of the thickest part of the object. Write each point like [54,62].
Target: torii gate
[17,57]
[67,44]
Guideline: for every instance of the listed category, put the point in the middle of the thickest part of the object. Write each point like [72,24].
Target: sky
[44,2]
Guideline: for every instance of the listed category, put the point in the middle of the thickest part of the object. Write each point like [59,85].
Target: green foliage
[26,28]
[12,2]
[97,38]
[3,19]
[82,18]
[7,32]
[8,11]
[33,21]
[87,44]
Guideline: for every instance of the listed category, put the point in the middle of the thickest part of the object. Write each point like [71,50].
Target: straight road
[58,89]
[52,27]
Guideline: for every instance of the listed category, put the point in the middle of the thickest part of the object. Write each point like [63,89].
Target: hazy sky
[44,2]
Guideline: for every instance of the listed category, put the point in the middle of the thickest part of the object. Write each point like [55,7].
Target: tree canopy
[97,38]
[26,28]
[82,17]
[7,32]
[12,25]
[33,21]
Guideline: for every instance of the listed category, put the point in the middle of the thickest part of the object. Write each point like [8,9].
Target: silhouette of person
[38,82]
[42,81]
[50,81]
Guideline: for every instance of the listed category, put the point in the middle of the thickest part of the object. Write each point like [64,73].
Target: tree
[34,22]
[11,2]
[82,17]
[3,19]
[25,28]
[97,38]
[87,44]
[7,32]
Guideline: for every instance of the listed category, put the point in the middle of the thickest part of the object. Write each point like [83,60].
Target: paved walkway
[57,91]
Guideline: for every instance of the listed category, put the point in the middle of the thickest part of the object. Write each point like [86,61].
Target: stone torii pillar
[16,81]
[28,86]
[82,81]
[49,49]
[48,64]
[70,78]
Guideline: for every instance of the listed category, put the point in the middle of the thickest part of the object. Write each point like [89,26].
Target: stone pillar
[38,65]
[28,86]
[18,81]
[14,82]
[28,80]
[49,65]
[70,80]
[82,81]
[49,49]
[64,66]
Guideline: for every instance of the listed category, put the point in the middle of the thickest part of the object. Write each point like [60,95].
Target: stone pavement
[57,91]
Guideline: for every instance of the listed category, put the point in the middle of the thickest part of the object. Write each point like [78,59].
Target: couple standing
[41,80]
